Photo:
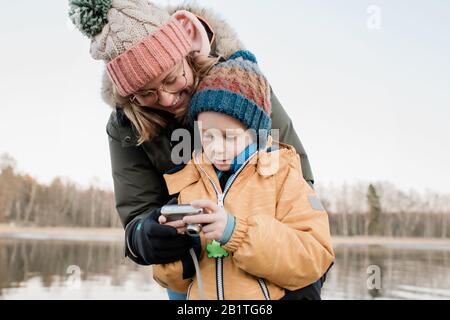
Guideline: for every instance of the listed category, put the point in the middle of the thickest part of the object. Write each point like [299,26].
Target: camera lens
[193,229]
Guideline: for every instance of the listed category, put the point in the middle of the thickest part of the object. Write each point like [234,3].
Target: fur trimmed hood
[225,44]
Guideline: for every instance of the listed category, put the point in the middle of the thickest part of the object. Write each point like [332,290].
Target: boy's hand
[214,220]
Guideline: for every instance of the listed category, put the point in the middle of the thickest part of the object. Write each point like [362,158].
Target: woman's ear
[195,30]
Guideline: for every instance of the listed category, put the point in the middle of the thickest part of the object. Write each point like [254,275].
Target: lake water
[42,269]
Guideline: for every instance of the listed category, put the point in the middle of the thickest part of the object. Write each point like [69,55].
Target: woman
[154,58]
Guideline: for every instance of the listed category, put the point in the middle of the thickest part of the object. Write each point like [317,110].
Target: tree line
[378,209]
[381,209]
[25,201]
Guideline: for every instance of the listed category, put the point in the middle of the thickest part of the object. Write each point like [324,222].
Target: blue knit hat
[235,87]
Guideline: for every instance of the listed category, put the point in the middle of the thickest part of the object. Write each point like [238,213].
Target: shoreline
[61,233]
[117,234]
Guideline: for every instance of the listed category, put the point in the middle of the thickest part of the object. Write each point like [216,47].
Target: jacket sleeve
[292,249]
[170,276]
[138,187]
[281,121]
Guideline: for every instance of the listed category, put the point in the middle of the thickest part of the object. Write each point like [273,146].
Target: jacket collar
[267,162]
[240,159]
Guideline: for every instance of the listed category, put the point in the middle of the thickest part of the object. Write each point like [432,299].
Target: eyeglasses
[170,84]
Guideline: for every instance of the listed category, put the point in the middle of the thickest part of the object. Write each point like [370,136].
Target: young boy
[264,229]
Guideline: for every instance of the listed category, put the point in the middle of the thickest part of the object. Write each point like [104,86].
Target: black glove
[153,243]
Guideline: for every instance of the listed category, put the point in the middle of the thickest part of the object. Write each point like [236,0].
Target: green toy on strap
[215,250]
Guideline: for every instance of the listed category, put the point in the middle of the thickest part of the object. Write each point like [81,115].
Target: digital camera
[178,211]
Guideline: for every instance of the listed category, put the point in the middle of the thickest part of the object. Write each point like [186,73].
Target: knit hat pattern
[235,87]
[136,39]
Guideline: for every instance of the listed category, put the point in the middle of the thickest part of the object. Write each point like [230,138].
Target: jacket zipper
[189,290]
[220,200]
[264,288]
[219,279]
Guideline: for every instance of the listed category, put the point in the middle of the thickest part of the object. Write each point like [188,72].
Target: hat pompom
[89,16]
[245,54]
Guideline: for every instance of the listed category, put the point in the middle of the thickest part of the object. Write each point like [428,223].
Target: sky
[366,83]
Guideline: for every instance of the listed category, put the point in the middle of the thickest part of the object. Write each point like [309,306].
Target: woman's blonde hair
[147,121]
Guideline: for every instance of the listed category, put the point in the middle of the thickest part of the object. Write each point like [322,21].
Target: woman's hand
[214,220]
[178,224]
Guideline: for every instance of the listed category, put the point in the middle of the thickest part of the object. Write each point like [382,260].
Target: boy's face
[223,138]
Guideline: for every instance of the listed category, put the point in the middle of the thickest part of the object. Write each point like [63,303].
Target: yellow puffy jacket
[281,238]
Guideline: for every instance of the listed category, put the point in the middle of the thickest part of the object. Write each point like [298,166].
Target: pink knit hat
[155,54]
[137,39]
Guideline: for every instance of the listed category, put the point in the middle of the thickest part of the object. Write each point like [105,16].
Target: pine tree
[373,201]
